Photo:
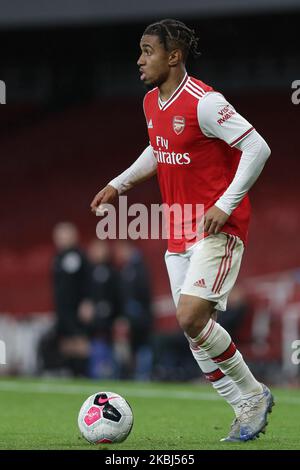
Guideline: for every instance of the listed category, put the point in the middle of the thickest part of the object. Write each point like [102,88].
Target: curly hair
[175,34]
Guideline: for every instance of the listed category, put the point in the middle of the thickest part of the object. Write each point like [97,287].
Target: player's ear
[175,57]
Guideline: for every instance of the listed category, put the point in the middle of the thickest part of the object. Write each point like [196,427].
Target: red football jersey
[192,168]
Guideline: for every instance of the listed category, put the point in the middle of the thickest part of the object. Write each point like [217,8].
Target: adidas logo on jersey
[200,283]
[150,124]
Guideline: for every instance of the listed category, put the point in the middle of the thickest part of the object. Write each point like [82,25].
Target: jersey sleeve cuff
[114,183]
[223,207]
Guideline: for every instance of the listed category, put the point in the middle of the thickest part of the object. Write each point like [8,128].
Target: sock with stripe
[224,385]
[217,343]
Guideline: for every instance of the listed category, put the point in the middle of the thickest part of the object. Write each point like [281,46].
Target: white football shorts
[207,269]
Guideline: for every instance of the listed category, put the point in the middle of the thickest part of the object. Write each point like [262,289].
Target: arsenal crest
[178,124]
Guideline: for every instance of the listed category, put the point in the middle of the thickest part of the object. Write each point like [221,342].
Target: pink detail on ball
[102,401]
[92,415]
[104,441]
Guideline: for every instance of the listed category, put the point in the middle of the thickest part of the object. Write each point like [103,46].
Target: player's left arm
[218,119]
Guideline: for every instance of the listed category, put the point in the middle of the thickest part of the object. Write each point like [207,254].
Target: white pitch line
[70,389]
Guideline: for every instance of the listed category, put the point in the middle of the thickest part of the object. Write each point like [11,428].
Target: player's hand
[105,196]
[214,219]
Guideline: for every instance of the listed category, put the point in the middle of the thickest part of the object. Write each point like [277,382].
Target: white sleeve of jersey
[143,168]
[255,152]
[218,119]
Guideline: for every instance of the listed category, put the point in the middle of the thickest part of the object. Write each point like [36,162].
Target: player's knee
[191,321]
[193,317]
[185,319]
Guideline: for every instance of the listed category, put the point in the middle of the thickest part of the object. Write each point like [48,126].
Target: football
[105,418]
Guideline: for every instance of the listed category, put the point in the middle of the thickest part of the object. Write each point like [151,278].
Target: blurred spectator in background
[137,310]
[67,346]
[237,307]
[105,294]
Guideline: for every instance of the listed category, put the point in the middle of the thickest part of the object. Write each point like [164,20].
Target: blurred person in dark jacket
[67,346]
[71,280]
[105,294]
[137,306]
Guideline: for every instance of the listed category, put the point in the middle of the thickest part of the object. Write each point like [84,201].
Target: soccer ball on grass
[105,418]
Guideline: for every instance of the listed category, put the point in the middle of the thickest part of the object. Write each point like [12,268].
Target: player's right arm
[142,169]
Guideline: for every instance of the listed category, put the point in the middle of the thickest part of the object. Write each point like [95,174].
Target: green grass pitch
[42,414]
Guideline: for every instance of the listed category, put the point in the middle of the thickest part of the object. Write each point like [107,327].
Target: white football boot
[234,433]
[254,413]
[252,419]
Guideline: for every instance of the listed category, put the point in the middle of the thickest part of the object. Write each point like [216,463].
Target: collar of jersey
[165,104]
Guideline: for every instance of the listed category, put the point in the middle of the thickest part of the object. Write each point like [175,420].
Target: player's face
[154,61]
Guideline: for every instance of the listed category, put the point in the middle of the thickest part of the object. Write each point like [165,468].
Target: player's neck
[167,88]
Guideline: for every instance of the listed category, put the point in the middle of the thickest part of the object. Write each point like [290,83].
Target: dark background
[55,66]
